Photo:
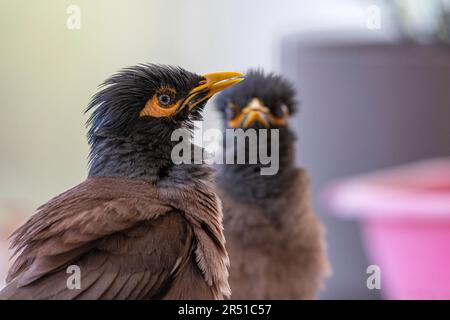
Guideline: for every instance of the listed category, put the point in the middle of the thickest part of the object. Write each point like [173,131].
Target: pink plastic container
[405,222]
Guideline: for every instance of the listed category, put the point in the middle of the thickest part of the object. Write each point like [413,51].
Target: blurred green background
[48,74]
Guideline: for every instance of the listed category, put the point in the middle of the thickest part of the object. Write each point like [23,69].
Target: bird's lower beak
[212,84]
[255,113]
[248,118]
[255,116]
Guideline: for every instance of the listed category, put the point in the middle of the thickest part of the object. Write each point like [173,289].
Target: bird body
[276,246]
[139,227]
[274,239]
[130,239]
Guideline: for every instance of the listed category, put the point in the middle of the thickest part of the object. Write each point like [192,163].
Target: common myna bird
[139,226]
[274,239]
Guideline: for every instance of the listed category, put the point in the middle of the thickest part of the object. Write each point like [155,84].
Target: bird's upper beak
[256,113]
[212,83]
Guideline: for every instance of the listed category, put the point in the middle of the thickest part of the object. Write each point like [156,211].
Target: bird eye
[231,112]
[280,111]
[164,99]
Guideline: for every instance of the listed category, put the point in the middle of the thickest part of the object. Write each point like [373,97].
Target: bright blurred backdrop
[48,73]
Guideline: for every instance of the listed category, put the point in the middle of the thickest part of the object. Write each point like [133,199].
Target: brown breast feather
[131,240]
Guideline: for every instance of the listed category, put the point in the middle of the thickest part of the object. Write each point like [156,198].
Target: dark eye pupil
[279,111]
[164,99]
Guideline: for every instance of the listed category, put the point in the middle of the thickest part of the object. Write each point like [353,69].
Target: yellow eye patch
[238,117]
[280,121]
[158,106]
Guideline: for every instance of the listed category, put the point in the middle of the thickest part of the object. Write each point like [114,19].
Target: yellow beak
[212,84]
[255,116]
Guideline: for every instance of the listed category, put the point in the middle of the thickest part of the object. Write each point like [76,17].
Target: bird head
[152,100]
[261,101]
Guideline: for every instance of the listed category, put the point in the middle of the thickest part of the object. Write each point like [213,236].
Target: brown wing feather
[116,265]
[130,240]
[119,235]
[202,208]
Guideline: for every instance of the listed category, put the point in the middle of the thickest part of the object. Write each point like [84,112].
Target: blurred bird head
[261,101]
[152,100]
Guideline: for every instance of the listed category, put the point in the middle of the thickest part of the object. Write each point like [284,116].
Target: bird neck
[114,157]
[245,181]
[144,154]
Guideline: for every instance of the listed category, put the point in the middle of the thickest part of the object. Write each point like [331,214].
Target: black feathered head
[262,100]
[152,100]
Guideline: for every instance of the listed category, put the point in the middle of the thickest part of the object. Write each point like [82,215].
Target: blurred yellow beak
[212,84]
[255,116]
